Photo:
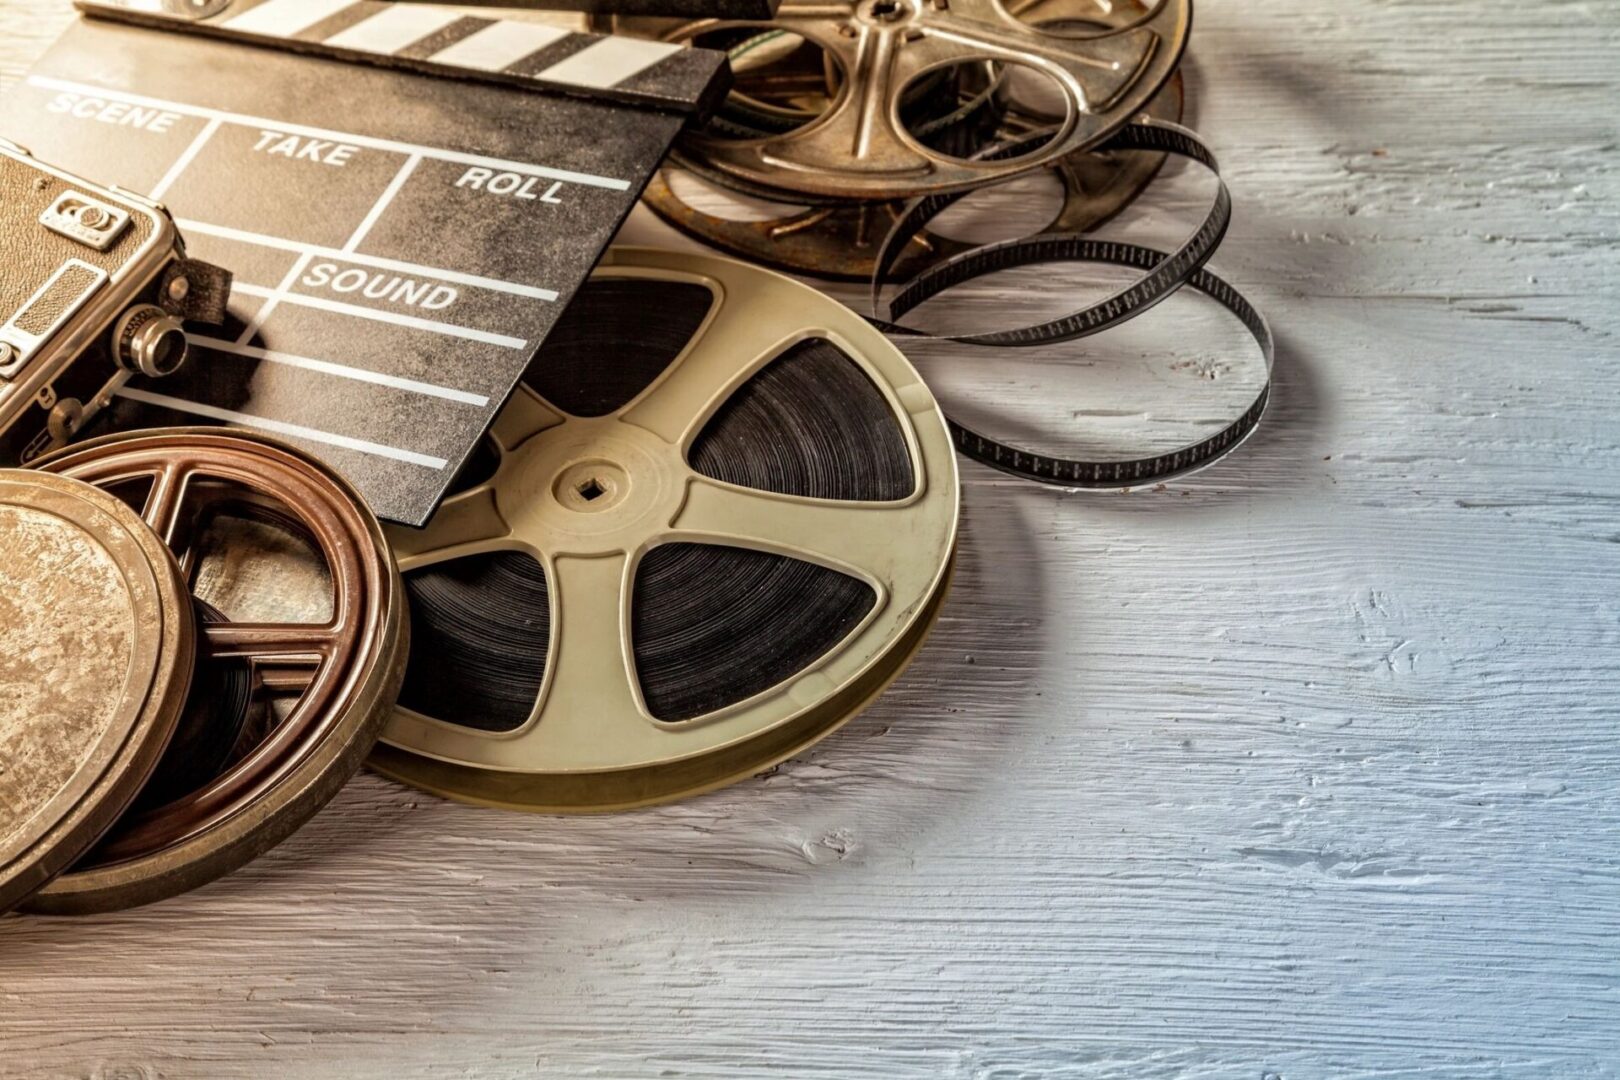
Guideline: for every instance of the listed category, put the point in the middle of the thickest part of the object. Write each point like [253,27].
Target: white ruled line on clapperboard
[282,294]
[393,146]
[279,427]
[328,367]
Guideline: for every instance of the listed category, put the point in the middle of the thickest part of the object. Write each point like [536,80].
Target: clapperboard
[407,196]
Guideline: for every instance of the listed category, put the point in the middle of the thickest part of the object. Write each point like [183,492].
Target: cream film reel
[655,588]
[1102,75]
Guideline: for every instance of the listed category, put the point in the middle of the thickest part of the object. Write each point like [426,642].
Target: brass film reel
[842,241]
[1102,74]
[325,684]
[593,509]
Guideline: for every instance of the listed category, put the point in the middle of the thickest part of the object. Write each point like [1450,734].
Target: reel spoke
[860,129]
[525,414]
[287,677]
[463,523]
[854,537]
[178,504]
[268,641]
[734,343]
[591,701]
[166,503]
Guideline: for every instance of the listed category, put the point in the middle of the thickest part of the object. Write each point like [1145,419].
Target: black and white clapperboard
[408,197]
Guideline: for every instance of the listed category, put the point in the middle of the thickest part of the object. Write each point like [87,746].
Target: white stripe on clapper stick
[284,18]
[609,62]
[499,45]
[393,28]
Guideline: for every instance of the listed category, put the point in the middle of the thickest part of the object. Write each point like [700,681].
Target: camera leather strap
[195,291]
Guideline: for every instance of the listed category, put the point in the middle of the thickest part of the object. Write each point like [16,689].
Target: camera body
[94,288]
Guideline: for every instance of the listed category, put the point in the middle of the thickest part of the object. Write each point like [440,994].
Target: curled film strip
[1160,275]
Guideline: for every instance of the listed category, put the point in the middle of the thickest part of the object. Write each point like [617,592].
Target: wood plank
[1305,768]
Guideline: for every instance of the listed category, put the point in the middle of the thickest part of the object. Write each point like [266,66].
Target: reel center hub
[591,486]
[886,12]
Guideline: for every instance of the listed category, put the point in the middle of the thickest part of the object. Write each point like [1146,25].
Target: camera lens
[149,341]
[168,351]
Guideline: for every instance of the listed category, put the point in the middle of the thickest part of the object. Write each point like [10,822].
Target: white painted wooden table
[1311,772]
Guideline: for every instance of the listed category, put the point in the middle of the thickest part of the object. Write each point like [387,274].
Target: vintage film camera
[95,290]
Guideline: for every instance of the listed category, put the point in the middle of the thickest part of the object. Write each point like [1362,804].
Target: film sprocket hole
[95,290]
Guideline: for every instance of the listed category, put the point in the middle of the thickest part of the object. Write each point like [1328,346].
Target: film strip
[722,9]
[1161,274]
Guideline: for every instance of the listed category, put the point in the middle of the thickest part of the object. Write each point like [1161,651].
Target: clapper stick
[443,41]
[685,9]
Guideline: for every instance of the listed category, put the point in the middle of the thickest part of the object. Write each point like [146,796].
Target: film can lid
[96,652]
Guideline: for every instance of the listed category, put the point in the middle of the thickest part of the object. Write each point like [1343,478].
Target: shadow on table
[894,773]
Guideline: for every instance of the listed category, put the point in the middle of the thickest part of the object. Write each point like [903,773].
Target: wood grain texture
[1306,768]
